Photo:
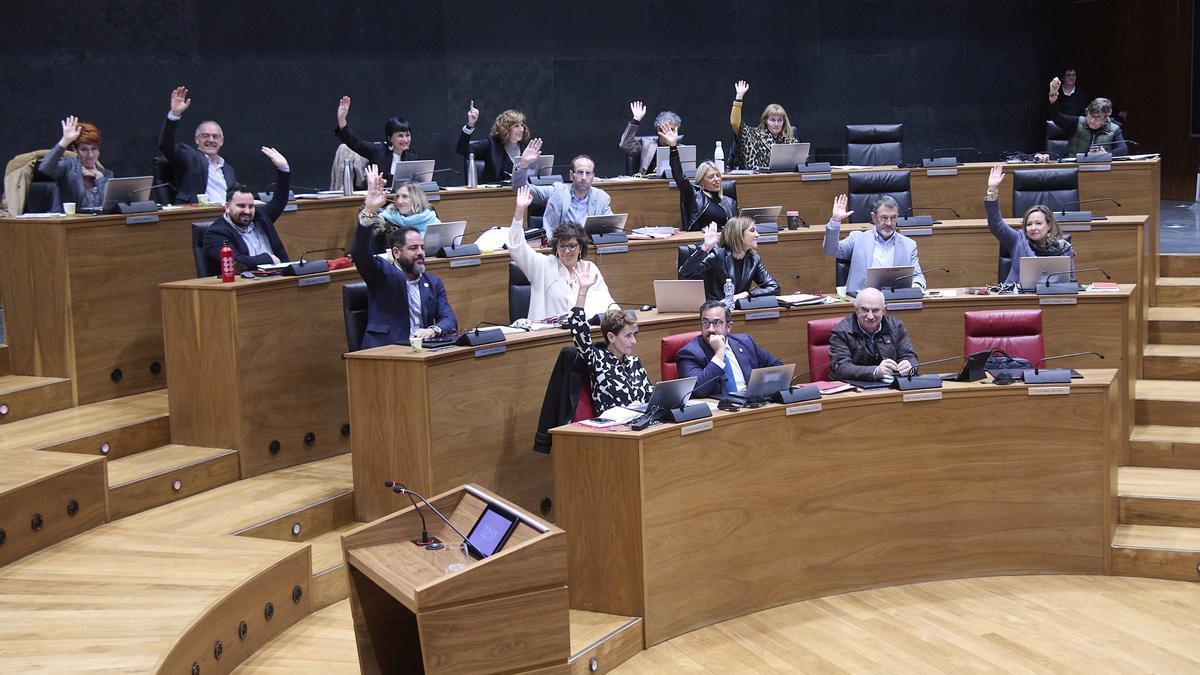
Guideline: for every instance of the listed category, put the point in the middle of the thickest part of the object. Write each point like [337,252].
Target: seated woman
[1042,236]
[735,258]
[1093,132]
[617,376]
[409,208]
[703,202]
[554,278]
[396,132]
[754,143]
[501,149]
[644,149]
[80,179]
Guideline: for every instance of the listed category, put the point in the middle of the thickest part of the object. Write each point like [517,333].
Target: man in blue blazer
[250,231]
[403,301]
[707,358]
[198,170]
[565,202]
[880,246]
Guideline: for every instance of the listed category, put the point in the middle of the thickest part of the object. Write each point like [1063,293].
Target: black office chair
[203,269]
[1004,265]
[42,197]
[865,187]
[682,253]
[519,290]
[1056,140]
[1055,188]
[728,188]
[354,311]
[164,178]
[479,166]
[841,271]
[874,144]
[631,164]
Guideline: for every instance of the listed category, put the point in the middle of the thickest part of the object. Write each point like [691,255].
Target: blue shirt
[578,211]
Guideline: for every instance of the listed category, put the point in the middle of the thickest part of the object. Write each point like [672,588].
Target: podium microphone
[399,488]
[424,541]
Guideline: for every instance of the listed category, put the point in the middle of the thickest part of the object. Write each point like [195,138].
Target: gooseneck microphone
[424,541]
[1089,201]
[1036,366]
[399,488]
[304,256]
[913,370]
[1074,273]
[914,274]
[933,152]
[498,325]
[937,208]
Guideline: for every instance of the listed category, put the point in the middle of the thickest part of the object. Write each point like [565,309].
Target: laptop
[890,277]
[1036,269]
[415,171]
[762,214]
[972,368]
[123,191]
[785,156]
[764,382]
[678,295]
[687,159]
[545,165]
[613,222]
[668,394]
[438,235]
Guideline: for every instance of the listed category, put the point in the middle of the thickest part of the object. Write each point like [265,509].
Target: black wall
[954,72]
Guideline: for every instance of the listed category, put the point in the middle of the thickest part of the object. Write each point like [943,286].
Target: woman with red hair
[81,178]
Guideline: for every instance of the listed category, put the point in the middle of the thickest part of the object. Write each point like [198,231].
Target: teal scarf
[419,220]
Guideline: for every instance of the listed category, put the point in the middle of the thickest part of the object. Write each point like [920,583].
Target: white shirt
[216,189]
[395,160]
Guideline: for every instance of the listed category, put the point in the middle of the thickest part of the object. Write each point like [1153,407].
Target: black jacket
[188,165]
[221,231]
[850,355]
[497,167]
[716,266]
[375,152]
[699,207]
[562,396]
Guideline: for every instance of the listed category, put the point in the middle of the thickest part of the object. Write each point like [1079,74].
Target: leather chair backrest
[1056,140]
[519,290]
[867,186]
[682,253]
[670,347]
[819,331]
[42,197]
[354,311]
[1055,188]
[874,144]
[202,266]
[841,271]
[1016,331]
[584,410]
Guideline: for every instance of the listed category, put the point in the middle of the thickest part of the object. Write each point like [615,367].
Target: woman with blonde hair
[409,208]
[1039,234]
[754,143]
[500,150]
[730,254]
[704,202]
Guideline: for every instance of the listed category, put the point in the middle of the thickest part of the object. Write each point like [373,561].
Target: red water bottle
[226,263]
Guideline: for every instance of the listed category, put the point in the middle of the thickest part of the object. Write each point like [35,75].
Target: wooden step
[1171,362]
[1165,446]
[1157,552]
[1179,264]
[25,396]
[1177,292]
[330,582]
[1167,402]
[1173,325]
[122,425]
[172,472]
[601,642]
[46,498]
[1153,496]
[320,642]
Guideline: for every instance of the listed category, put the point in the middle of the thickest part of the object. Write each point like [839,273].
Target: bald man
[868,344]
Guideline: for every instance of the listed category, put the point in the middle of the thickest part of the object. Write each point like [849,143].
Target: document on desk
[619,415]
[801,299]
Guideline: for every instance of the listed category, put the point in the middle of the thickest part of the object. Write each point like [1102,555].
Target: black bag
[999,360]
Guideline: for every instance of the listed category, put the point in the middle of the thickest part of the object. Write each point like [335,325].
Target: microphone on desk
[424,541]
[933,152]
[939,208]
[913,371]
[1040,361]
[498,325]
[456,249]
[304,256]
[1089,201]
[1038,375]
[152,187]
[399,488]
[890,292]
[1068,287]
[912,380]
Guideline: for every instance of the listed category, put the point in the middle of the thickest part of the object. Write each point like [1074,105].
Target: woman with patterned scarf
[754,143]
[1041,236]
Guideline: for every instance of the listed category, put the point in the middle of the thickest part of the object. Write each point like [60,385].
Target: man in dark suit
[383,155]
[707,358]
[199,170]
[403,301]
[250,232]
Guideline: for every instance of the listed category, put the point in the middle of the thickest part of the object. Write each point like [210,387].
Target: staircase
[1158,534]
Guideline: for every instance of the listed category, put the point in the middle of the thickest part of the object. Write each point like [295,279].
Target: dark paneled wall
[954,72]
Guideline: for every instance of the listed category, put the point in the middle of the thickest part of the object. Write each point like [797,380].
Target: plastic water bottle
[472,179]
[729,293]
[719,157]
[347,178]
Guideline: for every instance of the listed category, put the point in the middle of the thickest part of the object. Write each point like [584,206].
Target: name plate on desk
[901,306]
[752,316]
[808,177]
[313,280]
[1050,391]
[917,231]
[490,351]
[605,250]
[696,428]
[942,172]
[1075,227]
[768,238]
[1095,167]
[923,396]
[803,409]
[142,219]
[464,262]
[291,207]
[1059,300]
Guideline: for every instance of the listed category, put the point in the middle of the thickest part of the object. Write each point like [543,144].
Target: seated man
[1092,132]
[565,203]
[868,344]
[880,246]
[707,357]
[250,232]
[200,170]
[403,301]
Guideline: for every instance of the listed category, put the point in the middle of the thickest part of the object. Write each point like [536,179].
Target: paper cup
[415,343]
[69,208]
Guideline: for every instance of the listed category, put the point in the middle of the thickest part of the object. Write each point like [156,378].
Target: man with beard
[403,301]
[200,170]
[880,246]
[250,231]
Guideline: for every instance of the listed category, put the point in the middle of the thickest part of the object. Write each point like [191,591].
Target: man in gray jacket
[565,202]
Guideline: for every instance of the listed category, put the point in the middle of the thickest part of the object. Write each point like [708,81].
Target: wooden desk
[439,419]
[762,508]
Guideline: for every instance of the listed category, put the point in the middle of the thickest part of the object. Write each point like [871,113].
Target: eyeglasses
[568,247]
[714,323]
[204,136]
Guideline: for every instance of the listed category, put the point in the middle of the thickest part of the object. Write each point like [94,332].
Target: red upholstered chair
[671,346]
[584,409]
[1016,331]
[818,347]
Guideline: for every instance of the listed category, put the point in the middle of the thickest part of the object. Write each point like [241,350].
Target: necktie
[730,383]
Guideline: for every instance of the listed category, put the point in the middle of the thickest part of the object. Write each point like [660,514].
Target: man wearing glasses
[199,171]
[1093,132]
[718,358]
[565,202]
[880,246]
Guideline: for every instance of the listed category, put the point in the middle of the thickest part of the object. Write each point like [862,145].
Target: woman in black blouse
[501,149]
[704,202]
[618,377]
[730,254]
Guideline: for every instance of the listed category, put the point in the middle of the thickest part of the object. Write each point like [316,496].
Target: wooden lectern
[443,611]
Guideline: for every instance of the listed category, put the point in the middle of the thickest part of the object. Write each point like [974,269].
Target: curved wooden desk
[689,525]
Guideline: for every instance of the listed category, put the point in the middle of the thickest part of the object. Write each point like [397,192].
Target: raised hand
[276,158]
[531,153]
[667,136]
[343,111]
[587,277]
[995,177]
[839,209]
[711,237]
[740,88]
[179,101]
[524,199]
[472,115]
[376,197]
[70,131]
[638,109]
[1055,86]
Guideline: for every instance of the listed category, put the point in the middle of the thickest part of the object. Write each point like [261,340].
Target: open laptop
[899,276]
[764,382]
[1035,270]
[613,222]
[123,191]
[972,368]
[417,170]
[785,156]
[545,165]
[438,235]
[762,214]
[678,295]
[687,159]
[668,394]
